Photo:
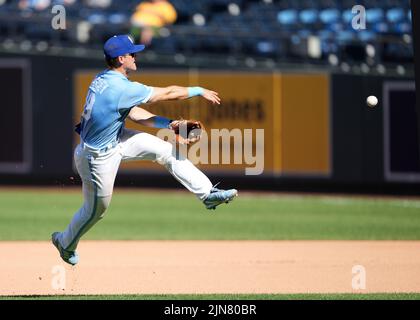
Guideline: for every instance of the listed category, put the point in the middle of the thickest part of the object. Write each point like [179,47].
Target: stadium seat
[265,47]
[304,33]
[97,18]
[403,28]
[329,16]
[345,36]
[325,34]
[263,29]
[308,16]
[118,18]
[366,35]
[347,16]
[374,15]
[288,17]
[328,47]
[395,15]
[380,27]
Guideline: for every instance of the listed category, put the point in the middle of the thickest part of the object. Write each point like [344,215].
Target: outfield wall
[296,125]
[318,132]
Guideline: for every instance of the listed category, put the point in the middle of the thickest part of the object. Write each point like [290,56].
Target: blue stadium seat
[269,48]
[395,15]
[265,29]
[304,33]
[97,18]
[347,16]
[308,16]
[328,41]
[374,15]
[295,39]
[287,17]
[118,18]
[403,27]
[336,27]
[381,27]
[328,47]
[325,34]
[329,16]
[366,35]
[346,36]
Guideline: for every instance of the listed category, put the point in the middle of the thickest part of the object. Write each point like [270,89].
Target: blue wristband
[195,91]
[161,122]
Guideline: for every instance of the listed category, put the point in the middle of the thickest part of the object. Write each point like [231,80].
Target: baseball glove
[187,131]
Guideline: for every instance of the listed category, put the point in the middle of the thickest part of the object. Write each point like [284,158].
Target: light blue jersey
[109,100]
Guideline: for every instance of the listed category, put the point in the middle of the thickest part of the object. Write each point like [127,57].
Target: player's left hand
[187,131]
[211,96]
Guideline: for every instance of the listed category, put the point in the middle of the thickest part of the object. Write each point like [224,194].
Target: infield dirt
[147,267]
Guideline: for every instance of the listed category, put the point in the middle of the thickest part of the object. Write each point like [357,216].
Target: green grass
[347,296]
[32,215]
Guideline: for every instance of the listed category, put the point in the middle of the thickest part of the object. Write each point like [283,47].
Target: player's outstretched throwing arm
[180,93]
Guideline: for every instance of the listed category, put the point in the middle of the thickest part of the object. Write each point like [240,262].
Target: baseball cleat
[218,196]
[71,257]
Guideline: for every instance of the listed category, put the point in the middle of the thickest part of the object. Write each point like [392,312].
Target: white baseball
[372,101]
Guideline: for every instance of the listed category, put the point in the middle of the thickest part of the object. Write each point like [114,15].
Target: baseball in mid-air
[372,101]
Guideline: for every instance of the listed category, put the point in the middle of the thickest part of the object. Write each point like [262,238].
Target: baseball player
[105,142]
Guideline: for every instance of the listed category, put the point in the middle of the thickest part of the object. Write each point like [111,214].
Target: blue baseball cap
[121,45]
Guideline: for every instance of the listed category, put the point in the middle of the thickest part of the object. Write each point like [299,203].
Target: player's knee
[102,203]
[165,153]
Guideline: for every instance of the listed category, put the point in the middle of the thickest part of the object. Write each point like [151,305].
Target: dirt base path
[167,267]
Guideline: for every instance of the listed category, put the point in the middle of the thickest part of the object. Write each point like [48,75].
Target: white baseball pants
[98,171]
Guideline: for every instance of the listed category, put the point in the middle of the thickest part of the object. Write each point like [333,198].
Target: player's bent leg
[143,146]
[85,218]
[98,175]
[91,212]
[178,165]
[184,171]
